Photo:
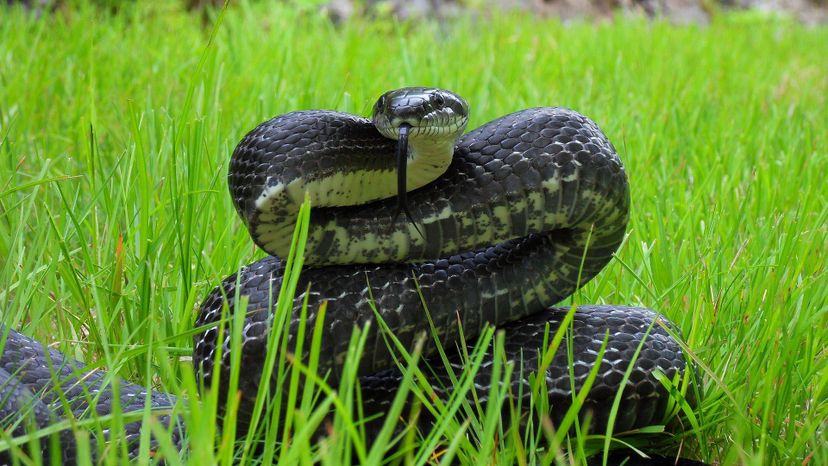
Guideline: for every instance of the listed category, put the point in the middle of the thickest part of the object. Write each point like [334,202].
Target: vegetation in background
[115,221]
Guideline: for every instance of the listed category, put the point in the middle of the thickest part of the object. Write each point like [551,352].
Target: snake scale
[500,224]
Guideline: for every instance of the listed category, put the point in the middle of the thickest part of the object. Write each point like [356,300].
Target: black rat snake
[499,224]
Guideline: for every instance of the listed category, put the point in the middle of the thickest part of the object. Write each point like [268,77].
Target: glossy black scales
[41,386]
[644,399]
[532,205]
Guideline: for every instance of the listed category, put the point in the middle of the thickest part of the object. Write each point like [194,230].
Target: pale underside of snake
[499,225]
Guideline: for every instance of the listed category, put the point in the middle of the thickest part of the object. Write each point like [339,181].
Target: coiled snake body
[500,225]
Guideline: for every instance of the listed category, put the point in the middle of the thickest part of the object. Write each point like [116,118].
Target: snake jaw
[402,181]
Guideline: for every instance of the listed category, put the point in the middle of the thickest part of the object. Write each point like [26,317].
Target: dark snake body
[543,185]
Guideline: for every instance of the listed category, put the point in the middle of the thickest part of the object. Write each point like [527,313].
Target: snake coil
[500,224]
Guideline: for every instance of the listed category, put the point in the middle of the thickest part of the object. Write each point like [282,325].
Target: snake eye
[438,100]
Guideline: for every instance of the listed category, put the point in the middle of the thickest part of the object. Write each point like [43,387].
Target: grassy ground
[115,219]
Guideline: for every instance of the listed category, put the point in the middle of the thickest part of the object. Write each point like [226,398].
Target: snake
[419,230]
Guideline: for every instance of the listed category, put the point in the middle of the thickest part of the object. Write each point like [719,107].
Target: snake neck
[427,159]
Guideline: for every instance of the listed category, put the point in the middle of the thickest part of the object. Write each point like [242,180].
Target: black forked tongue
[402,165]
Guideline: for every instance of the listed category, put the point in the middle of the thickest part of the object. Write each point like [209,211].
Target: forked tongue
[402,165]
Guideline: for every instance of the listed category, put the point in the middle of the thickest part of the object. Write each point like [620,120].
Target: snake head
[431,113]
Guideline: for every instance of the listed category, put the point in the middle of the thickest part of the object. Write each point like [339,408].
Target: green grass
[115,219]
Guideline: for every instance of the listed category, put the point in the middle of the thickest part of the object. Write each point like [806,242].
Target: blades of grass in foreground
[282,314]
[380,445]
[616,403]
[475,409]
[572,413]
[458,402]
[443,412]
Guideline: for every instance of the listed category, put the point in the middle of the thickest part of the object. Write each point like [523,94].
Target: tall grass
[115,219]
